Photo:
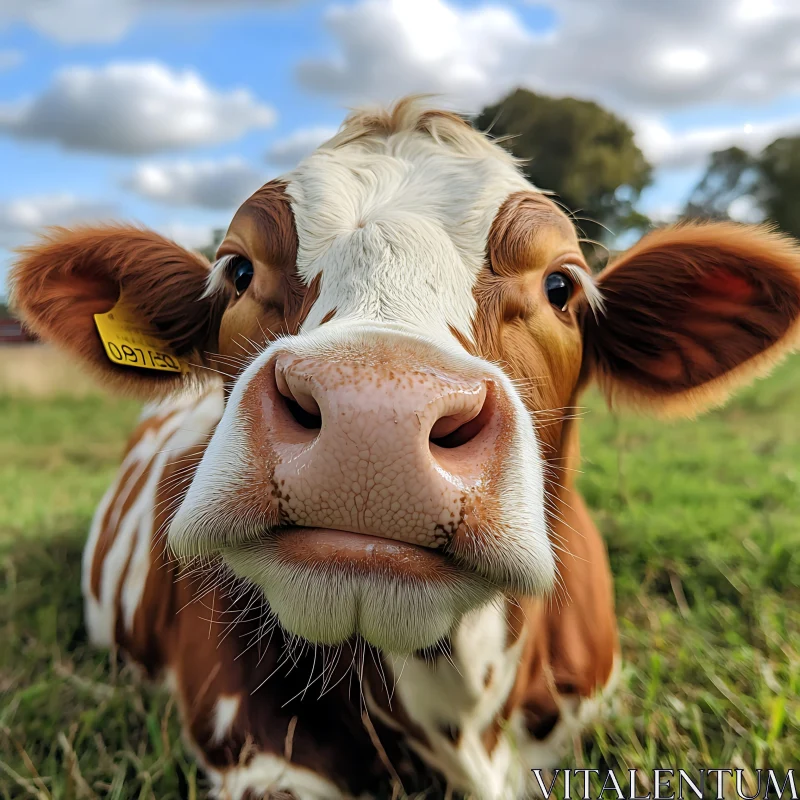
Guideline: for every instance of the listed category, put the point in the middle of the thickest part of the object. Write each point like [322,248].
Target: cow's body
[384,574]
[518,681]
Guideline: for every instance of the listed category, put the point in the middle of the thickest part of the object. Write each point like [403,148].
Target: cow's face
[379,472]
[404,323]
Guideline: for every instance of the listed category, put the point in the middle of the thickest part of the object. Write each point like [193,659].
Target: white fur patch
[398,228]
[397,615]
[134,537]
[101,614]
[266,772]
[225,711]
[453,695]
[591,291]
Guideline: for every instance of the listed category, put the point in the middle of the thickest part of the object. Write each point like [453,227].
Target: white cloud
[684,60]
[388,48]
[10,59]
[690,148]
[133,108]
[21,218]
[629,54]
[190,235]
[24,218]
[659,56]
[287,152]
[665,212]
[75,21]
[641,59]
[221,184]
[745,209]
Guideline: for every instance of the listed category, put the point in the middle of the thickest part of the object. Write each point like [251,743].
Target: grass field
[702,521]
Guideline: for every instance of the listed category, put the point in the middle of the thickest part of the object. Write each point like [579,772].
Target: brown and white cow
[385,574]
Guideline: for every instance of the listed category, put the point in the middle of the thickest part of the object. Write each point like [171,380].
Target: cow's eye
[242,275]
[558,287]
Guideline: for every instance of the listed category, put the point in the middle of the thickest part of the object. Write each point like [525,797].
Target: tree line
[588,157]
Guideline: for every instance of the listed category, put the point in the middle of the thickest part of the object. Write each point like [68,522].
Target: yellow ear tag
[126,343]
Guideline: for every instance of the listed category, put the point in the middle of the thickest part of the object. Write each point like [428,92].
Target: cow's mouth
[326,548]
[328,585]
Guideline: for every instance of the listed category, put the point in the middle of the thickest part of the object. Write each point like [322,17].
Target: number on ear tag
[126,343]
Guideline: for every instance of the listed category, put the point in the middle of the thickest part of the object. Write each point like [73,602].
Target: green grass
[73,722]
[702,521]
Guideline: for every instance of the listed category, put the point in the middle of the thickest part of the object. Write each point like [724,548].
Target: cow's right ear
[59,283]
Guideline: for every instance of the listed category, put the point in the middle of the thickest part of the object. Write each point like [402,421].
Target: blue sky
[170,112]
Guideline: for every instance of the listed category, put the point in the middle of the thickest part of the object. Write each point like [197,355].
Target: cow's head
[404,324]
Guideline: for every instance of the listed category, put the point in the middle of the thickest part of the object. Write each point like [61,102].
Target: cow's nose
[448,415]
[379,449]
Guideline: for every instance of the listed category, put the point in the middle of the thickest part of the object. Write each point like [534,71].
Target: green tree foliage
[779,187]
[770,181]
[731,174]
[579,150]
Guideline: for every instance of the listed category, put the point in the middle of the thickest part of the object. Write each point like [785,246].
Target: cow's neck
[450,705]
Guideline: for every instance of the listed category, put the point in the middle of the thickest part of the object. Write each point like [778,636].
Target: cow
[346,530]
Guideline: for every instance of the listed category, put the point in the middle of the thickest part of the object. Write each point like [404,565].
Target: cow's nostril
[298,400]
[305,418]
[459,429]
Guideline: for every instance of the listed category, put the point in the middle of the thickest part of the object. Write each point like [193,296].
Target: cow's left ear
[691,313]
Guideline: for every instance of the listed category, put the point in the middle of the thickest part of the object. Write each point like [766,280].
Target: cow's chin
[329,586]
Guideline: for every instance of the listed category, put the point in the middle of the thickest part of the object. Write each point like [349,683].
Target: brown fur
[277,301]
[575,644]
[691,312]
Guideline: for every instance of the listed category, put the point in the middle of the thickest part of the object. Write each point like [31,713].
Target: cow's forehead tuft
[374,128]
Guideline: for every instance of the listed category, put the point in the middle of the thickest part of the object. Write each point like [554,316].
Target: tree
[579,150]
[768,183]
[778,192]
[730,175]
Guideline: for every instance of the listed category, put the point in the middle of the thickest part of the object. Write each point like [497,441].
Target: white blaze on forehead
[398,226]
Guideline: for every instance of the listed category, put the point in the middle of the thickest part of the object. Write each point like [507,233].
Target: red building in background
[12,331]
